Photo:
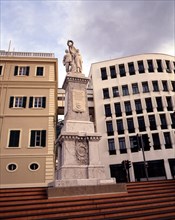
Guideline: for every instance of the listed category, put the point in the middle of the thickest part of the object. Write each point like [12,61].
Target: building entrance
[172,167]
[118,173]
[156,170]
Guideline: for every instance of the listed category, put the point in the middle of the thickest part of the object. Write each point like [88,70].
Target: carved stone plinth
[78,144]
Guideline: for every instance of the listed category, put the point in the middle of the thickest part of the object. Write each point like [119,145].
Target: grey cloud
[126,28]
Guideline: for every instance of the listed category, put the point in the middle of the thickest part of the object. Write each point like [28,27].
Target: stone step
[85,199]
[151,188]
[149,184]
[88,204]
[91,207]
[109,213]
[149,200]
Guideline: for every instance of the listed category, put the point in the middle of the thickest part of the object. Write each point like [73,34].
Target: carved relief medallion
[82,153]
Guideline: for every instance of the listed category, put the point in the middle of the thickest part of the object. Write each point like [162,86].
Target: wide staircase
[144,200]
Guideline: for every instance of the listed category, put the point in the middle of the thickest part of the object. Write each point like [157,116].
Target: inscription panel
[79,101]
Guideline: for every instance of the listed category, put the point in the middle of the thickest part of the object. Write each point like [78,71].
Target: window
[111,146]
[122,145]
[130,123]
[122,70]
[109,128]
[155,86]
[163,121]
[167,62]
[125,90]
[141,66]
[173,85]
[115,91]
[156,141]
[145,87]
[113,72]
[141,123]
[17,102]
[149,107]
[34,166]
[172,119]
[128,109]
[135,88]
[150,66]
[1,70]
[152,122]
[159,66]
[131,68]
[159,104]
[108,110]
[14,138]
[21,71]
[106,93]
[120,127]
[104,73]
[37,102]
[118,111]
[169,103]
[138,106]
[38,138]
[11,167]
[165,85]
[167,138]
[39,71]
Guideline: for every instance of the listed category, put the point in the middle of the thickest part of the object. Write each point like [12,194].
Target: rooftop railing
[26,54]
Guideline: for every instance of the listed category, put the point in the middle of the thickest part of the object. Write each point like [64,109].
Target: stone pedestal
[78,148]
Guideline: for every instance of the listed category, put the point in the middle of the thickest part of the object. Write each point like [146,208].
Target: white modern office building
[133,96]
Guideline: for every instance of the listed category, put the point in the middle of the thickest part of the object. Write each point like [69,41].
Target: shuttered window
[38,138]
[17,102]
[14,138]
[37,102]
[21,71]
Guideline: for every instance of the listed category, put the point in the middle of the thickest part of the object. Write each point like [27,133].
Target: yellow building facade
[28,116]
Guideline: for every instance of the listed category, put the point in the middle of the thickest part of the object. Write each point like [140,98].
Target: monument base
[86,190]
[83,182]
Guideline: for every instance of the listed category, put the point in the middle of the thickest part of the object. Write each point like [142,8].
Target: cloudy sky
[101,29]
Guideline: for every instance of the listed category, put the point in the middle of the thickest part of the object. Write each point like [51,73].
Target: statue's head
[66,51]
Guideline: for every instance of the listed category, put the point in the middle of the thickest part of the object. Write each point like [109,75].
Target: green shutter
[32,139]
[24,101]
[31,102]
[11,102]
[44,102]
[27,71]
[16,71]
[43,138]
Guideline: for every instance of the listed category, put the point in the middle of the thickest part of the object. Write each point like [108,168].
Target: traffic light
[146,142]
[136,143]
[124,164]
[128,164]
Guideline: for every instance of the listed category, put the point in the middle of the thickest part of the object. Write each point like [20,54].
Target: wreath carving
[82,153]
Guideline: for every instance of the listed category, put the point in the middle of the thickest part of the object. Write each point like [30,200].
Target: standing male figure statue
[78,61]
[67,61]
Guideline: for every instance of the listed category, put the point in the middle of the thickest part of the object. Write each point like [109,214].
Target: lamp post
[144,159]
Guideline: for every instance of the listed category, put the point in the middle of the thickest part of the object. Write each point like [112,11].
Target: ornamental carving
[82,152]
